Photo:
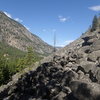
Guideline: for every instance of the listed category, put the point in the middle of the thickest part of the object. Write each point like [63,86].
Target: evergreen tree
[30,57]
[10,66]
[4,70]
[28,60]
[94,23]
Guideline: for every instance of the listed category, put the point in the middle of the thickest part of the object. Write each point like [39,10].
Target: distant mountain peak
[16,35]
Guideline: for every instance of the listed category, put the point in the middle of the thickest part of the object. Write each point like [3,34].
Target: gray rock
[98,76]
[85,91]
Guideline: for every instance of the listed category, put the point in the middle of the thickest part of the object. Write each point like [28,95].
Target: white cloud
[26,27]
[63,19]
[95,8]
[53,30]
[65,43]
[18,20]
[44,30]
[9,15]
[68,41]
[61,45]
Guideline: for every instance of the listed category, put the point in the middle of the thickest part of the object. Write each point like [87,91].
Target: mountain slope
[72,74]
[10,52]
[16,35]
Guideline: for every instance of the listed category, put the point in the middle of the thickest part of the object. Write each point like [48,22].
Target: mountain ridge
[16,35]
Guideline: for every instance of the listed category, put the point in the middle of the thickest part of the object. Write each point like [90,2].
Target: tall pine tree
[94,23]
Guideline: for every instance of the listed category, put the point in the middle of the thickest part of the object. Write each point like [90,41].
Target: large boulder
[85,91]
[87,66]
[93,57]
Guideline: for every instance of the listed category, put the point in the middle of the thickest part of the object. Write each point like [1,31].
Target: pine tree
[4,70]
[30,56]
[94,23]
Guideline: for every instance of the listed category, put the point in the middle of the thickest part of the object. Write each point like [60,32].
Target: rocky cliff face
[16,35]
[72,74]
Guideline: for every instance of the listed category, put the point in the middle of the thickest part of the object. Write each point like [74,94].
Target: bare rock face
[73,73]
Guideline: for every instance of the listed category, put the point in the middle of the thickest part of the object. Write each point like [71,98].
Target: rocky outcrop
[49,81]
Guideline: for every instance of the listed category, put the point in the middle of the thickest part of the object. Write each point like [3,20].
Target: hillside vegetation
[19,48]
[13,60]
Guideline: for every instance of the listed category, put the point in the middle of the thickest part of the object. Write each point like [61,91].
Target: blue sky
[68,19]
